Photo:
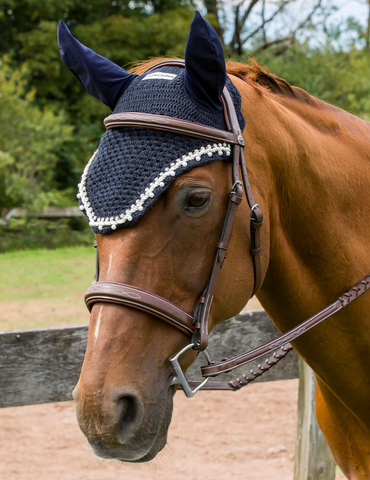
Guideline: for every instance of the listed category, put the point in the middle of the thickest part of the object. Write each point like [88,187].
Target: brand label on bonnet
[160,76]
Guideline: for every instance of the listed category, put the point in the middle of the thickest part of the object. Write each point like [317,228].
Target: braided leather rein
[195,325]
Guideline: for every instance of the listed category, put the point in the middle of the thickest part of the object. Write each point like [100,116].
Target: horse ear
[205,69]
[102,78]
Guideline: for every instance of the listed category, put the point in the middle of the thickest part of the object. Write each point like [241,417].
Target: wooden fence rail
[43,365]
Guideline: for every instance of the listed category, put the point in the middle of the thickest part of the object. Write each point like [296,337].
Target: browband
[171,124]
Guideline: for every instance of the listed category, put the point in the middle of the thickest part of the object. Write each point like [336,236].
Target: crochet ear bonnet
[134,166]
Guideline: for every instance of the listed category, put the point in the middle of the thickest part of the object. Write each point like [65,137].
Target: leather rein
[195,325]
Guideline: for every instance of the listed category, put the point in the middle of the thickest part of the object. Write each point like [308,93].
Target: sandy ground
[248,435]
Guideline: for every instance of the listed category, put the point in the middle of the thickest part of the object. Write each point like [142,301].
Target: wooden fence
[51,213]
[43,366]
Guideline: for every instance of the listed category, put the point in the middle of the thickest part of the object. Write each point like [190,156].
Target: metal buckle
[233,188]
[254,208]
[180,377]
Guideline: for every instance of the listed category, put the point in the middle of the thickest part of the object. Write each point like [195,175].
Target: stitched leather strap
[203,307]
[256,213]
[249,377]
[255,228]
[171,124]
[129,296]
[267,348]
[140,299]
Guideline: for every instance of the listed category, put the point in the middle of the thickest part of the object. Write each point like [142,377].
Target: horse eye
[199,200]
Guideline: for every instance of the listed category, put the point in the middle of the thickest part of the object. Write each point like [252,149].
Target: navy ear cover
[102,78]
[205,68]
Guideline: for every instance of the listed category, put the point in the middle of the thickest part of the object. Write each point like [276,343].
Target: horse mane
[252,73]
[263,80]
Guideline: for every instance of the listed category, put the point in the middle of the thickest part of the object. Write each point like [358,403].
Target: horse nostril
[130,413]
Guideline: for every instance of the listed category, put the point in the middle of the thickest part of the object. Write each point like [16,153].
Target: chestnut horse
[309,168]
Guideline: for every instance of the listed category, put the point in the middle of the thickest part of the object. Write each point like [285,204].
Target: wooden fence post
[313,458]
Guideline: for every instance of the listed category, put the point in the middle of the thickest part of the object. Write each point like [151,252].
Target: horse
[309,167]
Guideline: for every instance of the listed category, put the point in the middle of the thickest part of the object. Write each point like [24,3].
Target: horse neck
[310,166]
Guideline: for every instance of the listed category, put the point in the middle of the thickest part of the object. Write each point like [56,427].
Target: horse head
[156,201]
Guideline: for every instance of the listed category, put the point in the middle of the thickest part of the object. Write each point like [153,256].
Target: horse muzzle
[123,425]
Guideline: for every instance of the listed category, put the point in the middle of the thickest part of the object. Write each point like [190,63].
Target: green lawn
[44,287]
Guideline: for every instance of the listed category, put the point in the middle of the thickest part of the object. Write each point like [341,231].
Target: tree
[337,70]
[29,143]
[262,24]
[123,31]
[50,125]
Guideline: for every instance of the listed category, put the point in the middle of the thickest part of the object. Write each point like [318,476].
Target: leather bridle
[195,325]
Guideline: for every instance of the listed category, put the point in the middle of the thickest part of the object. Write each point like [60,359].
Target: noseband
[195,325]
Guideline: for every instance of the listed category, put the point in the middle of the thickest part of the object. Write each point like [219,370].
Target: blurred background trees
[49,126]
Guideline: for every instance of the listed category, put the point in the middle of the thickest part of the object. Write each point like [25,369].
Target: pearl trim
[159,182]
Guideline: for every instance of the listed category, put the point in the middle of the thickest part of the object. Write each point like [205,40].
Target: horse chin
[141,447]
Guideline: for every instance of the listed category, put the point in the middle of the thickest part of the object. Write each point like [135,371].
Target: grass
[44,287]
[45,273]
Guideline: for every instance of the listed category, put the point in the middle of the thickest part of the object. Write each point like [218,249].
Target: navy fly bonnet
[134,166]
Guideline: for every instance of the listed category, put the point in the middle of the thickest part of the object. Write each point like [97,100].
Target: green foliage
[49,125]
[31,233]
[337,72]
[126,40]
[29,142]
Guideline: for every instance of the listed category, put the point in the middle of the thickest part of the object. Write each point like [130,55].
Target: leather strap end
[257,217]
[221,256]
[256,251]
[235,198]
[222,252]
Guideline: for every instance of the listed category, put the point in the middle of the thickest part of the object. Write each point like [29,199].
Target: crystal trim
[159,182]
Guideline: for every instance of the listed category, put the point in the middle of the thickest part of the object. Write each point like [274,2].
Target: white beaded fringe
[159,182]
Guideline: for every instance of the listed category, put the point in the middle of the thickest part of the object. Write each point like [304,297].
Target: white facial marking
[110,261]
[96,333]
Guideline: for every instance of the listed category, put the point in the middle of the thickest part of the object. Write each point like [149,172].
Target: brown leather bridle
[195,325]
